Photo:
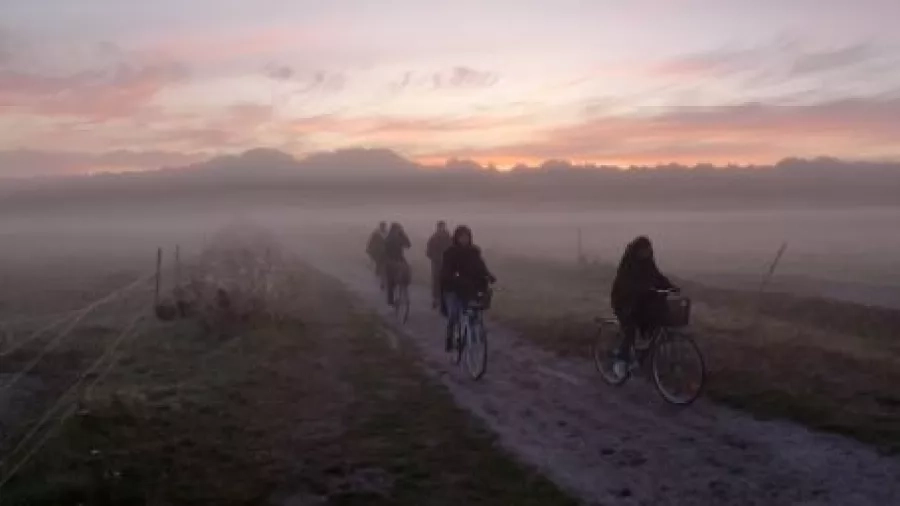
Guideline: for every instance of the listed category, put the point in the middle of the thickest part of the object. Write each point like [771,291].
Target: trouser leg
[435,284]
[451,302]
[629,331]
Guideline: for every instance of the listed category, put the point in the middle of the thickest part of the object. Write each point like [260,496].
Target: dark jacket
[394,244]
[636,278]
[463,270]
[439,242]
[375,246]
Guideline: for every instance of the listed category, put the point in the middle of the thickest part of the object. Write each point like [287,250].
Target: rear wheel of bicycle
[604,353]
[476,349]
[678,369]
[401,304]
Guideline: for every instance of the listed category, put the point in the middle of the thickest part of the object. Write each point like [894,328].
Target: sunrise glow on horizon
[144,85]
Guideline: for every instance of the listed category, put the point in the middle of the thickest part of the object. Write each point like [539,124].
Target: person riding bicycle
[375,249]
[463,275]
[438,243]
[395,262]
[634,299]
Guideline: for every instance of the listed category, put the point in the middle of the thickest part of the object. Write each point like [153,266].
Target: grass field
[314,409]
[830,365]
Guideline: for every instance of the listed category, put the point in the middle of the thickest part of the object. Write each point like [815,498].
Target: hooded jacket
[394,244]
[463,270]
[636,277]
[375,246]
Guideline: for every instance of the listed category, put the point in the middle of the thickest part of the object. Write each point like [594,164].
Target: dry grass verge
[313,409]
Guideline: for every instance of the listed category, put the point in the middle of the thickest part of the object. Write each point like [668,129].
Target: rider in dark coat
[633,298]
[394,244]
[439,242]
[375,249]
[463,274]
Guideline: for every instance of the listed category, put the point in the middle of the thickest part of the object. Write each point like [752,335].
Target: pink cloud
[455,78]
[95,95]
[212,47]
[233,128]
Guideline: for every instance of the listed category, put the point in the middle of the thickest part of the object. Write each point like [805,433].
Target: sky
[94,85]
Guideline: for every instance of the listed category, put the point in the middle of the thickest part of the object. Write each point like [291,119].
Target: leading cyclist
[463,275]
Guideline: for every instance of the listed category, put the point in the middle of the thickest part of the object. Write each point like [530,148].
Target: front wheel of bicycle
[476,349]
[458,342]
[401,304]
[604,353]
[678,369]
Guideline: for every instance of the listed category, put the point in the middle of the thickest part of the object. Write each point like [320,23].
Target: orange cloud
[383,127]
[751,133]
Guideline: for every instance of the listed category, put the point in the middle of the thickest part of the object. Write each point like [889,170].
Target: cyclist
[437,245]
[634,300]
[375,250]
[394,244]
[463,275]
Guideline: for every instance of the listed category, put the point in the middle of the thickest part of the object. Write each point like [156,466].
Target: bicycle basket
[678,311]
[482,299]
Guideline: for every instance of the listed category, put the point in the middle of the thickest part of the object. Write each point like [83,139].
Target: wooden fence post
[158,275]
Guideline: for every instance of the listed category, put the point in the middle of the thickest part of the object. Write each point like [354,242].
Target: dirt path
[624,446]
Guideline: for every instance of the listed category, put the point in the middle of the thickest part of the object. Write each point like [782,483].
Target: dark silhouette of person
[395,244]
[438,243]
[634,300]
[375,249]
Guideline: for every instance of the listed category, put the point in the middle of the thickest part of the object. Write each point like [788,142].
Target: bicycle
[470,335]
[401,296]
[668,347]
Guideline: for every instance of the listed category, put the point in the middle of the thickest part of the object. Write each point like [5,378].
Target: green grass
[318,406]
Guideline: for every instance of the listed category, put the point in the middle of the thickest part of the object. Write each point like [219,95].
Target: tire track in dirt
[625,446]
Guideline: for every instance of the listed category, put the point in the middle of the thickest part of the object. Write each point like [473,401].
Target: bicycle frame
[471,338]
[469,315]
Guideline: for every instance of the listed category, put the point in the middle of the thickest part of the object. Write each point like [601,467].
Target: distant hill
[259,160]
[265,162]
[355,176]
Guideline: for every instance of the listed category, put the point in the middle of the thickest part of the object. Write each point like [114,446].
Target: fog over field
[839,220]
